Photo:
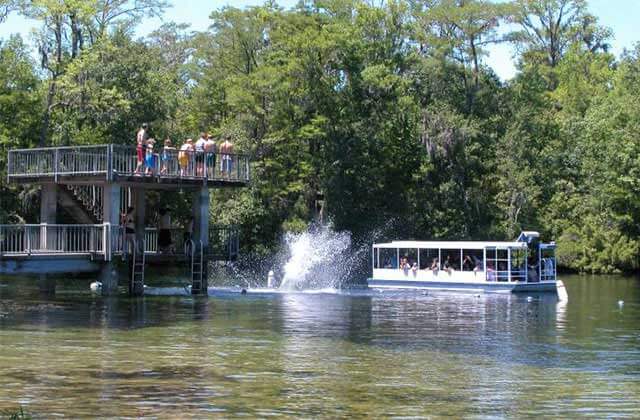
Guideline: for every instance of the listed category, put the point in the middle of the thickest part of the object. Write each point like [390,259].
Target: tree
[549,27]
[20,99]
[460,30]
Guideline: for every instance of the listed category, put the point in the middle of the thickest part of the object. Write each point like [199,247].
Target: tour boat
[524,265]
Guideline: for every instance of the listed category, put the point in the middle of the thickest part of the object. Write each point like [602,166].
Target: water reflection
[325,354]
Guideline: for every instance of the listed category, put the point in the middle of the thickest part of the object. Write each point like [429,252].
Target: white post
[509,264]
[484,262]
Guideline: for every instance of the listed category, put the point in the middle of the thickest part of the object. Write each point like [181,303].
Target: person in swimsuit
[184,156]
[210,150]
[167,153]
[141,139]
[150,161]
[199,149]
[226,162]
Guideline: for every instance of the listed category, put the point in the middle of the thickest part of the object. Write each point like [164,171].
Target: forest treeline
[386,111]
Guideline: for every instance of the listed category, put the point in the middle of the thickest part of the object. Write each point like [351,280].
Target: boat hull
[475,286]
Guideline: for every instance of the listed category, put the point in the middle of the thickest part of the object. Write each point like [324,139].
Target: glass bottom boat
[524,265]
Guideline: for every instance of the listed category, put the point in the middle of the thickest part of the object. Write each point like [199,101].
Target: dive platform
[94,185]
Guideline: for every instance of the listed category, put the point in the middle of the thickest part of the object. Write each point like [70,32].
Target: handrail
[31,239]
[106,160]
[102,239]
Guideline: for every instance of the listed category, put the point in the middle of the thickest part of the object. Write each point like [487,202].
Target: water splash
[318,259]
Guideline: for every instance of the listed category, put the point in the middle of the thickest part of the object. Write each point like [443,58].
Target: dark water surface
[359,353]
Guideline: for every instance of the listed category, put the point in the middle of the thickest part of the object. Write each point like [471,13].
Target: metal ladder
[197,269]
[136,282]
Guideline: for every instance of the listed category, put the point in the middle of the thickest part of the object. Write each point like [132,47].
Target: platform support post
[201,232]
[110,212]
[48,203]
[140,204]
[47,284]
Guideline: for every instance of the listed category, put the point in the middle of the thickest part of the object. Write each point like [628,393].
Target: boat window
[388,258]
[518,264]
[450,259]
[497,265]
[472,260]
[426,258]
[410,253]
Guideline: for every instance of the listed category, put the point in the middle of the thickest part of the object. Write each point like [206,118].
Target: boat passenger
[435,266]
[448,265]
[491,274]
[414,269]
[468,264]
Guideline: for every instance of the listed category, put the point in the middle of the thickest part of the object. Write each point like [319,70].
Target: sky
[622,16]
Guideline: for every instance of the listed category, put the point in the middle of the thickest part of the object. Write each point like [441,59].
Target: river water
[334,354]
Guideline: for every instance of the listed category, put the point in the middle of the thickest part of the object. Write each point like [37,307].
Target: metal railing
[53,239]
[56,161]
[172,163]
[107,160]
[224,242]
[104,240]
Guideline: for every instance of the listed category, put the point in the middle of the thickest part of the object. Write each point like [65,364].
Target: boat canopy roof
[452,244]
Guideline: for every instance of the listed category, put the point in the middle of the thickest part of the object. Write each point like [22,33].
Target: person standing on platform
[167,156]
[210,150]
[150,159]
[141,141]
[226,161]
[184,156]
[199,148]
